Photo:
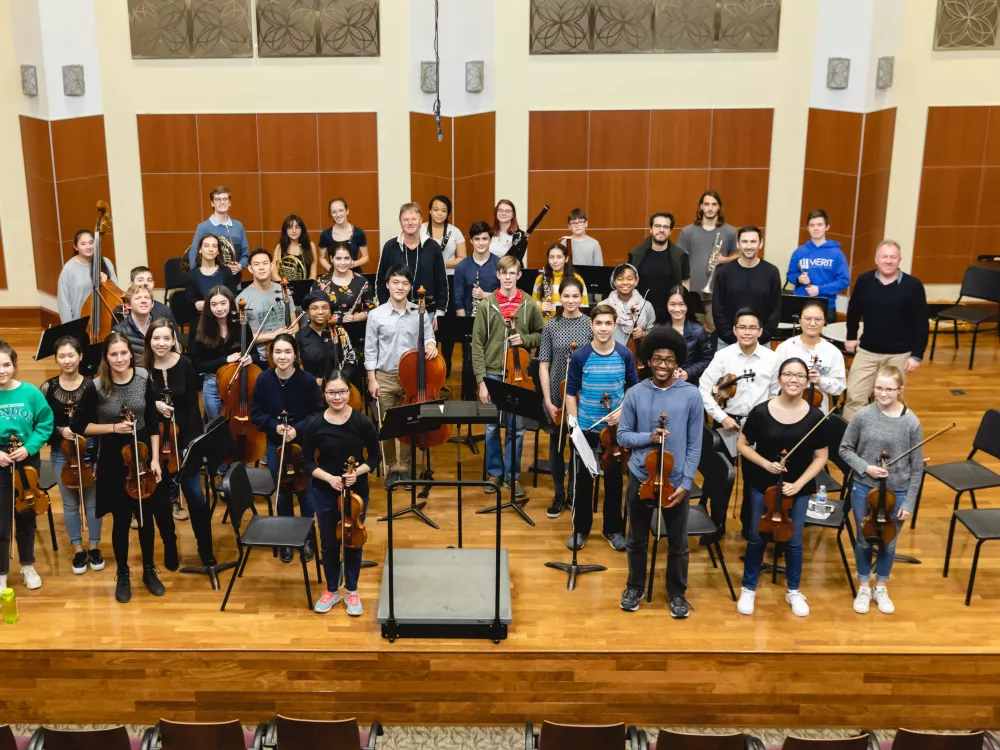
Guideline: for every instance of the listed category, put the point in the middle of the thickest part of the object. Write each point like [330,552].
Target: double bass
[76,474]
[516,360]
[236,382]
[105,296]
[27,494]
[422,379]
[140,482]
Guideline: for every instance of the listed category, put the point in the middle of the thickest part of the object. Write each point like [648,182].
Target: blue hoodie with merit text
[827,268]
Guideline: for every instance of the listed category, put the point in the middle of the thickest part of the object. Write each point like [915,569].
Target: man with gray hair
[893,305]
[424,259]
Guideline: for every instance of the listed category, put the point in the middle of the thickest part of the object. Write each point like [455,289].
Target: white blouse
[449,251]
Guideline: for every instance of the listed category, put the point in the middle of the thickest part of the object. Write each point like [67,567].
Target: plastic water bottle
[821,503]
[8,604]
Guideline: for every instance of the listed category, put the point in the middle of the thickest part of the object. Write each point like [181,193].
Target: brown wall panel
[36,149]
[941,254]
[168,143]
[833,192]
[745,194]
[562,191]
[78,204]
[424,187]
[863,253]
[833,141]
[989,198]
[48,264]
[992,157]
[42,211]
[741,138]
[475,144]
[348,142]
[680,139]
[171,202]
[676,191]
[619,139]
[956,136]
[162,246]
[947,196]
[474,201]
[285,194]
[880,131]
[617,199]
[244,195]
[37,155]
[873,197]
[287,142]
[987,241]
[227,143]
[78,147]
[558,140]
[539,243]
[617,243]
[359,189]
[429,156]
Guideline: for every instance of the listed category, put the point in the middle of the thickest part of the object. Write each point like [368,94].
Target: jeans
[557,462]
[201,520]
[642,520]
[285,506]
[498,459]
[24,523]
[862,550]
[583,501]
[71,506]
[210,397]
[754,556]
[330,547]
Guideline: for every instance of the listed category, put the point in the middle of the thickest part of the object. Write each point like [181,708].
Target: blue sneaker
[328,601]
[354,604]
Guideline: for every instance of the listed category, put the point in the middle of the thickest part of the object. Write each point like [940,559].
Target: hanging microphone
[437,119]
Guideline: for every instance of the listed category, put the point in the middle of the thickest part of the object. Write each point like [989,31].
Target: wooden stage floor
[77,656]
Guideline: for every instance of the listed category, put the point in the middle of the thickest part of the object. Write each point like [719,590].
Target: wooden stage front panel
[77,656]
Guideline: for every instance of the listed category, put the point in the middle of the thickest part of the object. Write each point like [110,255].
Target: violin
[105,296]
[169,453]
[27,494]
[351,526]
[338,337]
[659,464]
[725,387]
[291,475]
[879,526]
[516,361]
[813,394]
[236,383]
[612,454]
[630,344]
[562,390]
[422,379]
[76,474]
[140,482]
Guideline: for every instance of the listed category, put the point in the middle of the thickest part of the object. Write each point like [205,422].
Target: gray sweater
[75,286]
[871,432]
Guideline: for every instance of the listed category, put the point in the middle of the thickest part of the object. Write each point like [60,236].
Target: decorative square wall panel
[178,29]
[560,27]
[967,24]
[318,28]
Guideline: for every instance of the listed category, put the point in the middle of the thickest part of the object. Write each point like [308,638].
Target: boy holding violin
[663,349]
[599,373]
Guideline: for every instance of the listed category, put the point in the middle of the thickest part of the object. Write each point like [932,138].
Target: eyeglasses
[747,329]
[886,391]
[342,392]
[813,320]
[577,222]
[794,376]
[662,226]
[654,360]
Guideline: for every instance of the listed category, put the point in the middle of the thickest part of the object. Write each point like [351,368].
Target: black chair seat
[695,492]
[699,522]
[832,485]
[277,531]
[963,476]
[967,314]
[261,482]
[982,524]
[833,521]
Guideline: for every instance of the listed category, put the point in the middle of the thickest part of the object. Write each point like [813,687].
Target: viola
[140,482]
[659,464]
[27,494]
[236,383]
[422,379]
[105,296]
[76,474]
[879,526]
[725,387]
[169,453]
[351,526]
[338,338]
[516,361]
[560,412]
[813,394]
[291,475]
[612,454]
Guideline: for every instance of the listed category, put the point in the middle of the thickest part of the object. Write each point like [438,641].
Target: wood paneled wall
[848,160]
[66,169]
[460,166]
[958,216]
[274,164]
[621,166]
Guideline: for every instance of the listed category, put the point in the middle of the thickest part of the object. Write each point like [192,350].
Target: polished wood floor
[569,654]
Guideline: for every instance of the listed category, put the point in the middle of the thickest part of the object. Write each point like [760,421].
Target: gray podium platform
[445,592]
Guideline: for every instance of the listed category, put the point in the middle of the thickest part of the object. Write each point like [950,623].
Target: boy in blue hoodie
[819,268]
[663,349]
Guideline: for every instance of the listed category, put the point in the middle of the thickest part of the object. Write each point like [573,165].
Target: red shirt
[509,305]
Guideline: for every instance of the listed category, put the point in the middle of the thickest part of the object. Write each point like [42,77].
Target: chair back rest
[981,282]
[302,734]
[573,737]
[173,277]
[837,743]
[836,426]
[907,739]
[237,488]
[711,441]
[7,741]
[223,735]
[669,740]
[988,434]
[720,476]
[115,738]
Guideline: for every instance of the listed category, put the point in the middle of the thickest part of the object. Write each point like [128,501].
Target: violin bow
[13,501]
[606,416]
[635,318]
[562,418]
[922,442]
[814,428]
[70,408]
[283,418]
[138,469]
[252,342]
[659,468]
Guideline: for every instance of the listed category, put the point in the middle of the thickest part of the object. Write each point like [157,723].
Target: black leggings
[24,522]
[156,512]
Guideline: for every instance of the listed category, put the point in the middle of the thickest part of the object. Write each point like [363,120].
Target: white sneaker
[798,602]
[745,605]
[863,600]
[885,605]
[31,578]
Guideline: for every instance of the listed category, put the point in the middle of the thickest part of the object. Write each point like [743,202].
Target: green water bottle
[8,604]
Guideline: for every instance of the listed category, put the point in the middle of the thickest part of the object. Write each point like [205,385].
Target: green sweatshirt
[25,413]
[488,346]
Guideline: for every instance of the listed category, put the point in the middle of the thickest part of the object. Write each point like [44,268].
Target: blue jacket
[827,268]
[683,406]
[465,277]
[700,351]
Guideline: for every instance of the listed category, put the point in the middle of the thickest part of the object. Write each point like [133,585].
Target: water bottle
[8,604]
[821,503]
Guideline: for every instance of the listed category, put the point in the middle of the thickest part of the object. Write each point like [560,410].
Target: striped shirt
[591,375]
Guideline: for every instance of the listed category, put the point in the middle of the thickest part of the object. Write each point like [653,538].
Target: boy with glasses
[584,250]
[222,225]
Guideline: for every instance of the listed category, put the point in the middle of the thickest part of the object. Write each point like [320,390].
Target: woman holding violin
[635,315]
[885,425]
[827,374]
[120,391]
[25,416]
[175,385]
[286,389]
[558,338]
[77,487]
[640,430]
[330,440]
[781,477]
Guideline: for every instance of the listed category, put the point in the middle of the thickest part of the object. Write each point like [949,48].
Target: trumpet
[713,261]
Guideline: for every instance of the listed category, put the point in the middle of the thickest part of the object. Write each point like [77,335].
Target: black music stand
[299,289]
[598,281]
[209,450]
[791,311]
[526,283]
[456,329]
[520,402]
[402,421]
[78,330]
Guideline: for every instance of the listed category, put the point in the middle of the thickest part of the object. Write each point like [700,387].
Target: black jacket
[429,274]
[640,251]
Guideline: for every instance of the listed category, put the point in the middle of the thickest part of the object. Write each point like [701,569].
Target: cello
[27,494]
[140,482]
[250,443]
[516,360]
[105,296]
[76,474]
[422,379]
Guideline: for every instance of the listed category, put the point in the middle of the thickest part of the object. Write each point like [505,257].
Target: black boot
[171,558]
[152,581]
[123,585]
